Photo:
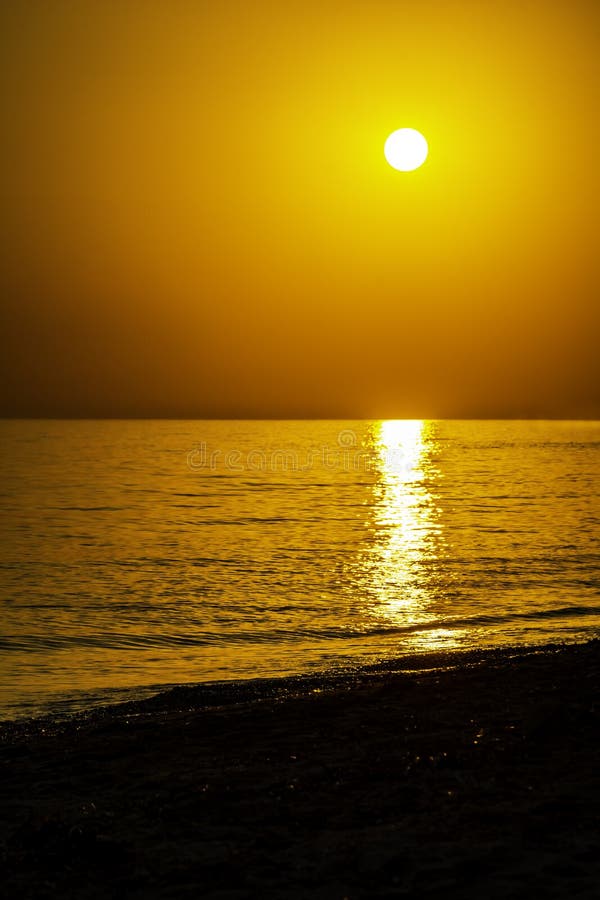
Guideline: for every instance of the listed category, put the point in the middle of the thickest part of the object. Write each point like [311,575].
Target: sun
[406,149]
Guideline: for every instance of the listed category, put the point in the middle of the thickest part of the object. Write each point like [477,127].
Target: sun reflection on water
[403,517]
[404,559]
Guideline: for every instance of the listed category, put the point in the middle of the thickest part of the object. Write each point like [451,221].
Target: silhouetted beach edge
[445,774]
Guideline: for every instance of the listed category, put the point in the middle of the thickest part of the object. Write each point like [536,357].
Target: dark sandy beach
[474,777]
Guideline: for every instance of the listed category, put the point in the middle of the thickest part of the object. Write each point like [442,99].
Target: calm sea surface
[137,553]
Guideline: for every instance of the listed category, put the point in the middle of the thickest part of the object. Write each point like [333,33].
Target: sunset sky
[198,219]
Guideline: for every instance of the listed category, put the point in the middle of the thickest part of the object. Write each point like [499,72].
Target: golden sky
[198,219]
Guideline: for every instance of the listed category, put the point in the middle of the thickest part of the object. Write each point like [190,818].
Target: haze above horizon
[199,220]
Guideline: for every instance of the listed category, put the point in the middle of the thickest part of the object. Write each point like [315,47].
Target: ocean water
[143,553]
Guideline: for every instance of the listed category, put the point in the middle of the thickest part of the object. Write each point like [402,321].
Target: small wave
[88,508]
[126,640]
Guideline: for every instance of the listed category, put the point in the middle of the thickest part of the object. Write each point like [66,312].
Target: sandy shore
[475,778]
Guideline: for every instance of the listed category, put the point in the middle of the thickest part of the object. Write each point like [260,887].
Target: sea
[139,554]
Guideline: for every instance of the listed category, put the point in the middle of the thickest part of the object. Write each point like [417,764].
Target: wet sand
[476,776]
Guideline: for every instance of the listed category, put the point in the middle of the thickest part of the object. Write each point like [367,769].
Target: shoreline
[449,775]
[65,708]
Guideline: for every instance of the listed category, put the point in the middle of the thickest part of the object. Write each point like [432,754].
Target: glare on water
[409,531]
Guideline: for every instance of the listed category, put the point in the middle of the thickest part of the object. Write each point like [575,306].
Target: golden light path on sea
[410,532]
